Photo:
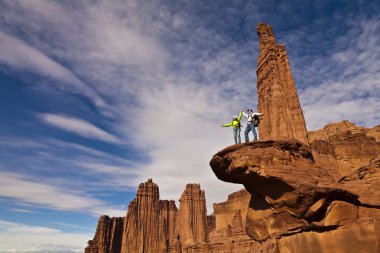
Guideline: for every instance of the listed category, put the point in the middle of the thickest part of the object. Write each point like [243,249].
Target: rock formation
[297,205]
[108,235]
[192,216]
[304,192]
[154,225]
[299,200]
[345,146]
[140,232]
[148,226]
[277,93]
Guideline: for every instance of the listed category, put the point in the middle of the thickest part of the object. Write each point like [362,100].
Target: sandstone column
[141,230]
[277,93]
[108,236]
[191,222]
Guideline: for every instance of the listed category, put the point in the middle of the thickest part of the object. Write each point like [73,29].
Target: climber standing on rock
[235,123]
[252,125]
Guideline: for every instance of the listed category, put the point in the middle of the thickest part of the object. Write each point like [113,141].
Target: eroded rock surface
[154,225]
[345,146]
[277,93]
[297,203]
[191,222]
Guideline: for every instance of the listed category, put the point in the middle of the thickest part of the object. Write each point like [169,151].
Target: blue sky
[98,96]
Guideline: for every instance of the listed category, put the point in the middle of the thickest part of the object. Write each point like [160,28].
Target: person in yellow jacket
[235,123]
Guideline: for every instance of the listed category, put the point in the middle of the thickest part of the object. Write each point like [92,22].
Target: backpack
[256,120]
[238,125]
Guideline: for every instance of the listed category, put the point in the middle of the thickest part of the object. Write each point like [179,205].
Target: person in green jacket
[235,123]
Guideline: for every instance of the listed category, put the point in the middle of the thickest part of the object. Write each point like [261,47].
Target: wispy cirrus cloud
[88,169]
[78,126]
[351,87]
[21,56]
[18,187]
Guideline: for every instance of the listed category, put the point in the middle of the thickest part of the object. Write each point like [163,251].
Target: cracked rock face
[345,146]
[297,203]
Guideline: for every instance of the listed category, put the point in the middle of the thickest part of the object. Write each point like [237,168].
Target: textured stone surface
[364,182]
[345,146]
[143,213]
[107,236]
[192,216]
[154,225]
[277,93]
[296,205]
[229,217]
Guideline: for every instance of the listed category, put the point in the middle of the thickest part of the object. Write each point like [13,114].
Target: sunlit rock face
[154,225]
[345,146]
[277,93]
[296,204]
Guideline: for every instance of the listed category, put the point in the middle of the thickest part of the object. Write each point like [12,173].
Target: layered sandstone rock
[192,216]
[107,236]
[154,225]
[345,146]
[277,93]
[143,215]
[296,205]
[228,219]
[148,227]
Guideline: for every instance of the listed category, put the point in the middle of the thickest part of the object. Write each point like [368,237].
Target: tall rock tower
[277,93]
[192,215]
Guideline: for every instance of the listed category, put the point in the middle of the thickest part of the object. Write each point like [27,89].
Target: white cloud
[113,170]
[90,170]
[14,186]
[18,54]
[17,237]
[19,210]
[78,126]
[183,140]
[351,89]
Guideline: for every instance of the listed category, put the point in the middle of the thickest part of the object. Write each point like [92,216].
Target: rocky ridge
[345,146]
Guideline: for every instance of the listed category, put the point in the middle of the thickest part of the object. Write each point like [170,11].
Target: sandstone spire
[277,93]
[108,235]
[192,215]
[143,215]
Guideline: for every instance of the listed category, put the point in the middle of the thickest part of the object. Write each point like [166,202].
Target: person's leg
[254,133]
[246,131]
[257,132]
[238,134]
[235,133]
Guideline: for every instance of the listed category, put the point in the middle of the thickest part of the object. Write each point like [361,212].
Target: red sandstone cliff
[296,205]
[154,225]
[191,222]
[108,236]
[277,93]
[345,146]
[148,226]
